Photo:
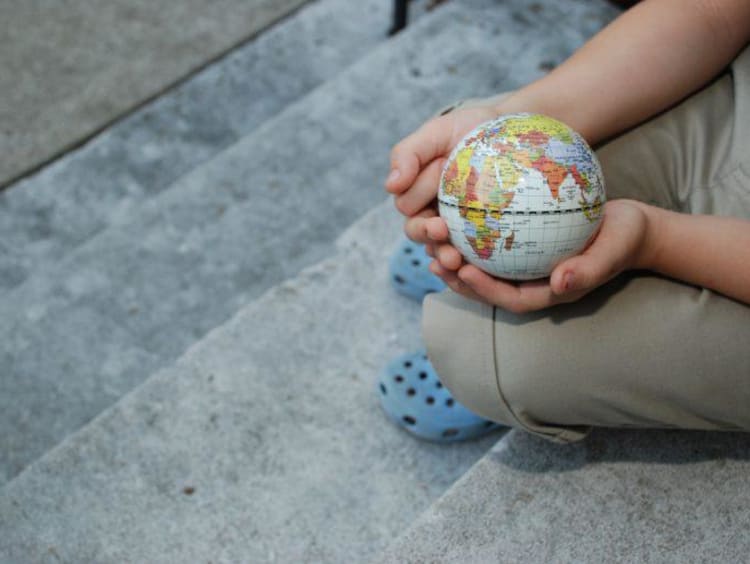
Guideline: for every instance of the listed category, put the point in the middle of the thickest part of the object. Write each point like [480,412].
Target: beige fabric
[642,351]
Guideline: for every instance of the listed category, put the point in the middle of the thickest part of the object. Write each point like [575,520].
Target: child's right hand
[417,163]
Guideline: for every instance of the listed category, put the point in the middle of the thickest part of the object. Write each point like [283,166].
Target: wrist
[647,257]
[520,100]
[534,98]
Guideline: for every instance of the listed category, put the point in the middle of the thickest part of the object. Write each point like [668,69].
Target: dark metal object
[400,15]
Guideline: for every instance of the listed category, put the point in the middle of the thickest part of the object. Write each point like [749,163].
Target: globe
[520,194]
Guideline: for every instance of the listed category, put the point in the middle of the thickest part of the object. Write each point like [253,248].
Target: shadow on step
[530,453]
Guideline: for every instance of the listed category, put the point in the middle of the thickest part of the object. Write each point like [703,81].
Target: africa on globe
[520,194]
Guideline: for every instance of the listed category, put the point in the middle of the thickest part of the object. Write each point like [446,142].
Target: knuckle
[519,306]
[396,151]
[409,228]
[413,230]
[402,205]
[396,148]
[446,255]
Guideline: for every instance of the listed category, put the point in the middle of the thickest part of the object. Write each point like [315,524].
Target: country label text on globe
[520,194]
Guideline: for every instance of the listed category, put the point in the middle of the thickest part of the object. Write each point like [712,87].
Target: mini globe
[520,194]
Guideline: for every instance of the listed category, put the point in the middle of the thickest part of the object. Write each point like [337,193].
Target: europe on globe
[520,194]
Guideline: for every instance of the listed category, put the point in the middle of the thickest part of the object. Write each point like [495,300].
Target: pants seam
[555,433]
[495,366]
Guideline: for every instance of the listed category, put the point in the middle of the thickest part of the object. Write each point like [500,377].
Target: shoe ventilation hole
[430,400]
[423,375]
[415,262]
[398,279]
[438,385]
[407,364]
[450,433]
[424,357]
[409,420]
[411,392]
[382,388]
[408,250]
[449,402]
[398,378]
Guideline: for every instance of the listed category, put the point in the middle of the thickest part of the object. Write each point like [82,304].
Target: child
[662,337]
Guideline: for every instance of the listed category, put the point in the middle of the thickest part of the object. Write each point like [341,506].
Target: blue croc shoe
[410,274]
[413,398]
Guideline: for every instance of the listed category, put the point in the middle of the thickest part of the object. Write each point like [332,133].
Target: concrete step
[71,68]
[102,312]
[45,216]
[618,496]
[265,442]
[132,299]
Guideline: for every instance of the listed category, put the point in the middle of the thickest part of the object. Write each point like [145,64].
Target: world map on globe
[520,194]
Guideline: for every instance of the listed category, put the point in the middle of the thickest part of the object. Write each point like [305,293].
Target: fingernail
[393,176]
[568,281]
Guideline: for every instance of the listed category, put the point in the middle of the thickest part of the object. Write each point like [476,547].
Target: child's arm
[705,250]
[646,60]
[649,58]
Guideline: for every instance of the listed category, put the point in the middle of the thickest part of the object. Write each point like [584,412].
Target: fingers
[453,282]
[449,257]
[518,298]
[500,292]
[582,272]
[437,230]
[433,233]
[435,138]
[427,227]
[610,253]
[423,191]
[410,155]
[597,265]
[415,229]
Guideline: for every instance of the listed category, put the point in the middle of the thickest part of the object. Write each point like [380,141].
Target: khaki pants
[642,351]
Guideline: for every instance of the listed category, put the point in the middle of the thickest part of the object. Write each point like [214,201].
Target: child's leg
[642,351]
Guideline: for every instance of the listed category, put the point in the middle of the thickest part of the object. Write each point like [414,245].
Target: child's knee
[460,336]
[460,339]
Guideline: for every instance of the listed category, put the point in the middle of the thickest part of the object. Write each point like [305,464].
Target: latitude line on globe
[521,212]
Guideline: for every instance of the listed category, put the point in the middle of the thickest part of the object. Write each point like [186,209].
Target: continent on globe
[520,194]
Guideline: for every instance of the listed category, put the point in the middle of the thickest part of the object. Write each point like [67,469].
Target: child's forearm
[649,58]
[708,251]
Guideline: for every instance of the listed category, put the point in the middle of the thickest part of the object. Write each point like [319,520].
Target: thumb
[410,155]
[582,273]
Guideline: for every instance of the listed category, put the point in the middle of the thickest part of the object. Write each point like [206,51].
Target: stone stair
[618,496]
[56,272]
[264,440]
[66,232]
[90,326]
[48,215]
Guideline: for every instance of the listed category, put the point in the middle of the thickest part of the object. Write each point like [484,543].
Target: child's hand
[417,162]
[623,242]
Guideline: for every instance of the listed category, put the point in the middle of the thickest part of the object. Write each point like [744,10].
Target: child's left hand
[623,242]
